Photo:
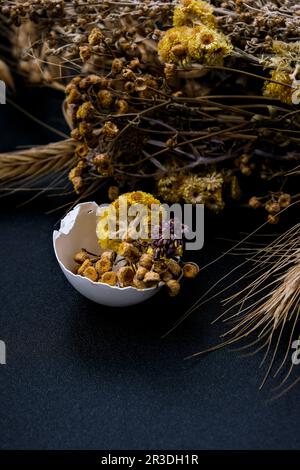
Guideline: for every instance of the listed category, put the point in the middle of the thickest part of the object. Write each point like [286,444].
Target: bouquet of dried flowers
[196,101]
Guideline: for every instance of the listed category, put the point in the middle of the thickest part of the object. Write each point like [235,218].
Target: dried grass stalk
[28,165]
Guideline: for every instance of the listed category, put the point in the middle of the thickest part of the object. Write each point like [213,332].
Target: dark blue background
[82,376]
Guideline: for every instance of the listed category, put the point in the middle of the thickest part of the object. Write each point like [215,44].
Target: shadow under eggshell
[78,230]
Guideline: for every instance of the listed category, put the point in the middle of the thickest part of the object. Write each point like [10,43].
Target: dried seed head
[110,278]
[139,284]
[284,200]
[121,106]
[113,193]
[129,251]
[95,37]
[173,287]
[140,273]
[166,276]
[151,277]
[84,265]
[85,53]
[91,273]
[190,270]
[81,256]
[174,268]
[103,265]
[109,130]
[105,98]
[146,261]
[272,207]
[254,203]
[125,276]
[273,219]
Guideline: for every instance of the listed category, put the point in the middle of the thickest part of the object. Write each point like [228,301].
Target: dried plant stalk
[267,309]
[30,164]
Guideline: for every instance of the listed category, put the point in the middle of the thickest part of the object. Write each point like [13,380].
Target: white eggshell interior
[78,230]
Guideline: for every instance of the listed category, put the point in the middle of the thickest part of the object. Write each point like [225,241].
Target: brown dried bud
[128,74]
[167,276]
[74,96]
[173,287]
[138,284]
[125,276]
[129,87]
[174,268]
[254,203]
[85,53]
[272,207]
[109,130]
[140,273]
[91,273]
[190,270]
[103,265]
[129,251]
[151,277]
[105,98]
[146,261]
[117,66]
[284,200]
[110,255]
[84,265]
[159,266]
[121,106]
[110,278]
[95,37]
[81,256]
[273,219]
[85,111]
[113,193]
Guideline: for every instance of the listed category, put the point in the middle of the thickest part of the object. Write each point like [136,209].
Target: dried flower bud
[138,284]
[174,268]
[284,200]
[95,37]
[81,256]
[166,276]
[173,287]
[74,96]
[125,276]
[272,207]
[129,87]
[110,278]
[109,130]
[121,106]
[129,251]
[103,265]
[110,255]
[87,263]
[273,219]
[128,74]
[85,111]
[105,98]
[159,266]
[117,66]
[140,273]
[85,53]
[113,193]
[91,273]
[190,270]
[254,203]
[146,261]
[151,277]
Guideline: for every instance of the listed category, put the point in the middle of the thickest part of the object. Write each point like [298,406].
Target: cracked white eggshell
[78,230]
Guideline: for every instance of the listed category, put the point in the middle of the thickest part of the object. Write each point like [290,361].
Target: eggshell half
[78,230]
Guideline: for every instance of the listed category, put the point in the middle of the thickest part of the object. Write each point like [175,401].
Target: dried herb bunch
[196,101]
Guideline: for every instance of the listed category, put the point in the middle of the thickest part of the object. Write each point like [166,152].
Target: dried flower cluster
[170,96]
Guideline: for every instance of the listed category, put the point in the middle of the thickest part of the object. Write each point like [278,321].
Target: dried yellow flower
[146,261]
[125,276]
[110,278]
[91,273]
[277,91]
[191,12]
[81,256]
[190,270]
[173,287]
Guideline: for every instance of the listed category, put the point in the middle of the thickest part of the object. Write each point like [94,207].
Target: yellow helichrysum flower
[277,91]
[193,12]
[208,46]
[202,44]
[110,227]
[173,47]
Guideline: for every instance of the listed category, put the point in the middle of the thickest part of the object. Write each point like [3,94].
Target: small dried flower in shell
[110,278]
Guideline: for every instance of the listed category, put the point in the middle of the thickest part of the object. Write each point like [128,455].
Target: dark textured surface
[83,376]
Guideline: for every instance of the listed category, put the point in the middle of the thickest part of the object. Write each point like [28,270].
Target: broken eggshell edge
[77,231]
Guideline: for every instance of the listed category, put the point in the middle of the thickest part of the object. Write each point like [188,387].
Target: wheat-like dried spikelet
[28,165]
[266,311]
